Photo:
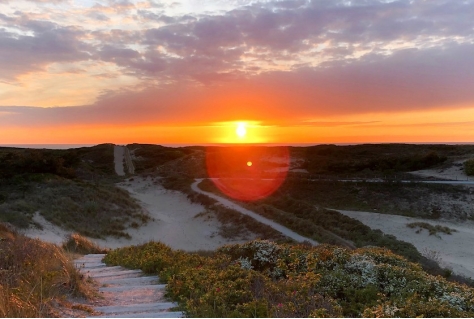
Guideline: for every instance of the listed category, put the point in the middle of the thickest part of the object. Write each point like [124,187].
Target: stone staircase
[129,293]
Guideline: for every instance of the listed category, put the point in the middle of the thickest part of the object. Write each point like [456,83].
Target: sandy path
[118,160]
[174,222]
[227,203]
[455,251]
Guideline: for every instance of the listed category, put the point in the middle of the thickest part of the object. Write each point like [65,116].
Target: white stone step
[98,270]
[134,308]
[147,280]
[89,265]
[162,314]
[128,293]
[131,287]
[117,273]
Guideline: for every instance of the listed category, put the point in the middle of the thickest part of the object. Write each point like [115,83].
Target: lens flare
[265,170]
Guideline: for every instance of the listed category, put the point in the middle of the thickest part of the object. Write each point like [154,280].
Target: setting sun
[241,130]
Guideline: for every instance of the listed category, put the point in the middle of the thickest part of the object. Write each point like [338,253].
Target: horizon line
[176,145]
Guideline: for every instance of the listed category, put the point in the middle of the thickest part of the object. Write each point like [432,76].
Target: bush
[264,279]
[469,167]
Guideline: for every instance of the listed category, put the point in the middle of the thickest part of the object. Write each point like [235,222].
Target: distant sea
[67,146]
[48,146]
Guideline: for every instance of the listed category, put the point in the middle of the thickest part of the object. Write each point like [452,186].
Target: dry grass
[78,244]
[433,230]
[34,275]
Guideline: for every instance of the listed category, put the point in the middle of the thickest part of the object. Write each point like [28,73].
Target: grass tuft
[433,230]
[33,275]
[76,243]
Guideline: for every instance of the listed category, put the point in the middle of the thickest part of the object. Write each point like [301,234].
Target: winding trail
[229,204]
[128,293]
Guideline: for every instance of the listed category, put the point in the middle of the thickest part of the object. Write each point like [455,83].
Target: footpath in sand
[174,220]
[126,293]
[229,204]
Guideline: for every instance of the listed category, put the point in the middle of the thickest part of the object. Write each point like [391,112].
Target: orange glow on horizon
[437,126]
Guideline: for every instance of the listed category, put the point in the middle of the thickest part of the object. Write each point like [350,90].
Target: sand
[453,172]
[258,218]
[452,251]
[174,220]
[50,232]
[174,224]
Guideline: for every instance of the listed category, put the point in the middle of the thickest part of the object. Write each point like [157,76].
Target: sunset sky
[193,71]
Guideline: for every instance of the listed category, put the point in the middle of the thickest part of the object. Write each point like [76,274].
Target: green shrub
[469,167]
[265,279]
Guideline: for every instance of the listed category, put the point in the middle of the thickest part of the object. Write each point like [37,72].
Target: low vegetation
[332,227]
[424,200]
[264,279]
[78,244]
[433,230]
[88,163]
[149,156]
[35,277]
[70,188]
[235,225]
[367,159]
[71,204]
[469,167]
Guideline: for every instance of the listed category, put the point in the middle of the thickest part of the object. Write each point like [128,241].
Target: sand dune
[454,251]
[174,221]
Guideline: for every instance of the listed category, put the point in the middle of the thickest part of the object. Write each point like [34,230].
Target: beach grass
[35,277]
[72,205]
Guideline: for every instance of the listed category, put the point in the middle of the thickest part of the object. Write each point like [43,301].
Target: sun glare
[241,130]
